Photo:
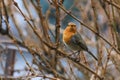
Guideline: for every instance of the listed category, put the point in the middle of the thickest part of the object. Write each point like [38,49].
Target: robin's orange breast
[67,37]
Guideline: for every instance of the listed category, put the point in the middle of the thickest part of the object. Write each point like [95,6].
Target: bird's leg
[77,53]
[78,56]
[73,53]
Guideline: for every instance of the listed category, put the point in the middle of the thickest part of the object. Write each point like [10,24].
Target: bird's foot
[72,54]
[75,55]
[77,58]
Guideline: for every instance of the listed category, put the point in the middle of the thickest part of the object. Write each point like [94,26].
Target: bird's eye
[72,26]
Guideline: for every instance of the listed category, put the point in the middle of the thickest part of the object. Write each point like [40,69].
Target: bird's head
[69,31]
[71,27]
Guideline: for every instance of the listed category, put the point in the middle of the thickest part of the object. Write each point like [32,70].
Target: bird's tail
[92,55]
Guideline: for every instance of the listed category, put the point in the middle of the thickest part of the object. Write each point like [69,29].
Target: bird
[73,40]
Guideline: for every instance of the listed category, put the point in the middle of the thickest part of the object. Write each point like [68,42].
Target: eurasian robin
[73,39]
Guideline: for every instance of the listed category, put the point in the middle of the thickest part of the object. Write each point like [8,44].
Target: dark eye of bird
[72,26]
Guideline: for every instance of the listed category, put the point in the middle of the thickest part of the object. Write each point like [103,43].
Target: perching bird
[73,39]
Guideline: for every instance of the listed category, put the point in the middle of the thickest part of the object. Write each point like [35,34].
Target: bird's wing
[77,40]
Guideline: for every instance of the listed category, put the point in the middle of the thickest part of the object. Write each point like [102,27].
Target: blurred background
[31,45]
